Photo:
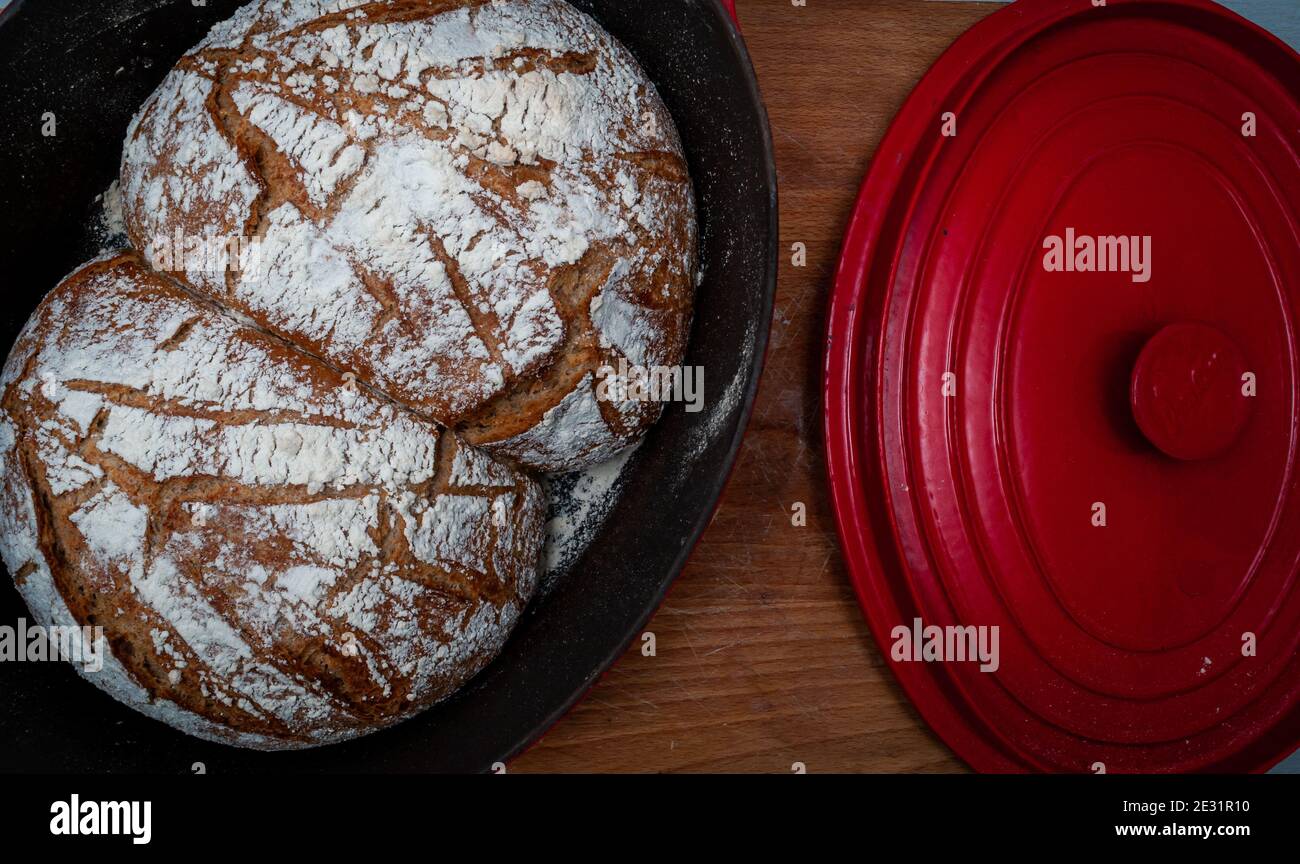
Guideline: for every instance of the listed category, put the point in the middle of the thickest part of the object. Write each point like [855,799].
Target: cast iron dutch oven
[93,64]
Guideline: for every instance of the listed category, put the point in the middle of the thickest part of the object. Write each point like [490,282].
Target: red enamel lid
[1061,389]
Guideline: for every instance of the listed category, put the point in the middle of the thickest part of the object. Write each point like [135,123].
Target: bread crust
[472,206]
[279,557]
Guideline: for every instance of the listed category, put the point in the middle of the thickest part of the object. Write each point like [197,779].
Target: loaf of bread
[472,206]
[278,557]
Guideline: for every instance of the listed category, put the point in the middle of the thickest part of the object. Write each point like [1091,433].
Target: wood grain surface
[762,658]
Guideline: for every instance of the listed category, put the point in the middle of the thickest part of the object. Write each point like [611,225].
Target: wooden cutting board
[762,659]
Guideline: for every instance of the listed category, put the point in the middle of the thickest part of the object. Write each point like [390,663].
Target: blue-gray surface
[1280,16]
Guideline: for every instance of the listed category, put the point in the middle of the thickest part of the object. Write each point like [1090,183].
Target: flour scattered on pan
[580,501]
[720,412]
[722,406]
[108,224]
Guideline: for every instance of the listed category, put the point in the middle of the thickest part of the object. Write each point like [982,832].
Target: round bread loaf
[479,208]
[278,558]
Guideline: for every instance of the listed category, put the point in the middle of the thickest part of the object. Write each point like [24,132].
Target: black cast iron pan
[91,65]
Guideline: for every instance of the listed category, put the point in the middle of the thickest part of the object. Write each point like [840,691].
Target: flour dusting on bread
[444,191]
[278,557]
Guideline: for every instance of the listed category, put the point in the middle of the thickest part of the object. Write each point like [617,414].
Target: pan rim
[653,583]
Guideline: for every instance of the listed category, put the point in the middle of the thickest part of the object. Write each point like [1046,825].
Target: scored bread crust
[278,557]
[473,206]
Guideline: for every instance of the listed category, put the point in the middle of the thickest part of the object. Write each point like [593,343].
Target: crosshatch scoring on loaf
[278,559]
[472,206]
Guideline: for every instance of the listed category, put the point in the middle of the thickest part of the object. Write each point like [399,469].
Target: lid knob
[1187,391]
